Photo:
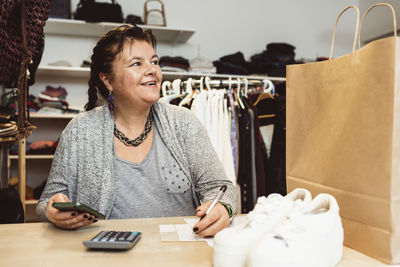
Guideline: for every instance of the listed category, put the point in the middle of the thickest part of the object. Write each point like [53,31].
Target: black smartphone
[78,207]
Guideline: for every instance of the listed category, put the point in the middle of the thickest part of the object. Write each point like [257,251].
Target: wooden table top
[42,244]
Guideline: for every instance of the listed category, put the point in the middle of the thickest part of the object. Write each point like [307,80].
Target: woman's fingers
[76,221]
[201,210]
[216,220]
[212,229]
[53,213]
[59,197]
[67,219]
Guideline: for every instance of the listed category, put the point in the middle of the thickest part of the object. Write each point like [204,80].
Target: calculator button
[132,236]
[99,236]
[126,235]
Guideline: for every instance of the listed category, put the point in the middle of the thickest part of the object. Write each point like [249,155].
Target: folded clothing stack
[273,60]
[54,97]
[175,64]
[51,102]
[232,64]
[33,103]
[202,65]
[40,147]
[58,92]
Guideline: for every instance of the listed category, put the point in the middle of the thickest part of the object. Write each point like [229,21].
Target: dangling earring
[111,104]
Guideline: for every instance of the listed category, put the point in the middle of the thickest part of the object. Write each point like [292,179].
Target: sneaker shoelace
[263,211]
[292,226]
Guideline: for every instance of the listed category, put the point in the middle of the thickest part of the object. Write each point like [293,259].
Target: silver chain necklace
[138,140]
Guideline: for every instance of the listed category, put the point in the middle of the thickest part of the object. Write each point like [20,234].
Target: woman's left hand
[216,220]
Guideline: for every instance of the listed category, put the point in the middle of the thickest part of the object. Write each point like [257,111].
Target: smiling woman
[135,77]
[134,157]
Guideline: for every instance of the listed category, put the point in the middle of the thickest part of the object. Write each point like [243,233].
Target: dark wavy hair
[105,51]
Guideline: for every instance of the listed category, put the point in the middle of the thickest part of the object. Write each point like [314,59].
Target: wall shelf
[52,116]
[57,71]
[82,28]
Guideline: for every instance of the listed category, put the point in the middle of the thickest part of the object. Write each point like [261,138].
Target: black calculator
[113,240]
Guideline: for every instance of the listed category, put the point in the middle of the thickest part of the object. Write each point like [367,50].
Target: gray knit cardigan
[84,164]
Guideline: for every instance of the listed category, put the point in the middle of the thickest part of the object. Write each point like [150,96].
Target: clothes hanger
[238,93]
[207,83]
[201,84]
[189,92]
[246,86]
[176,86]
[165,85]
[270,88]
[266,93]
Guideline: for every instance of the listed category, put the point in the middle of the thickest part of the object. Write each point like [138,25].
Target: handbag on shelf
[92,11]
[148,10]
[60,9]
[343,138]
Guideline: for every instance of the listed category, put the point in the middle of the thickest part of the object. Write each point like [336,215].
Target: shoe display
[231,245]
[312,236]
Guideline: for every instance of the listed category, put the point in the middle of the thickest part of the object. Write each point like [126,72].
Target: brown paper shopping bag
[343,138]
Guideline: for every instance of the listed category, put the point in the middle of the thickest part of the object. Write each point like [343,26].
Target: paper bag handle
[355,33]
[368,10]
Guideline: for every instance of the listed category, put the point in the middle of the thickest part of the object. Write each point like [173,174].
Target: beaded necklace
[138,140]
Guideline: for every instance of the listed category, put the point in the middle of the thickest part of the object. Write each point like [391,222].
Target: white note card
[181,232]
[184,232]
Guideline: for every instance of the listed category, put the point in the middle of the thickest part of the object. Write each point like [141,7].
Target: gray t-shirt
[156,187]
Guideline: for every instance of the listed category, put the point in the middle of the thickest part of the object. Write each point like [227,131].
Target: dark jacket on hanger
[275,175]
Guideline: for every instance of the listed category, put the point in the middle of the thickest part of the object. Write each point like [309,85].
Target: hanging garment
[198,106]
[276,174]
[260,158]
[227,156]
[275,152]
[211,109]
[244,177]
[234,132]
[253,160]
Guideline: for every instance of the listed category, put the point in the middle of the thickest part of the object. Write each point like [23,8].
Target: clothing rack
[221,81]
[224,82]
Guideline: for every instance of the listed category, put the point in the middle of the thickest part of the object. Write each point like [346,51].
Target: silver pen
[215,201]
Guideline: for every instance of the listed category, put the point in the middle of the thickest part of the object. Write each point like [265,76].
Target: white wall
[379,20]
[228,26]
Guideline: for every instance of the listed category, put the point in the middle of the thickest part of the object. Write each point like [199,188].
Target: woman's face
[136,75]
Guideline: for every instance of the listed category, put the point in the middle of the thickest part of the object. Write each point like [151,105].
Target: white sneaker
[231,245]
[310,237]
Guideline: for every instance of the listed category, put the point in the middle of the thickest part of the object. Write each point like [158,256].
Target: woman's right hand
[67,219]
